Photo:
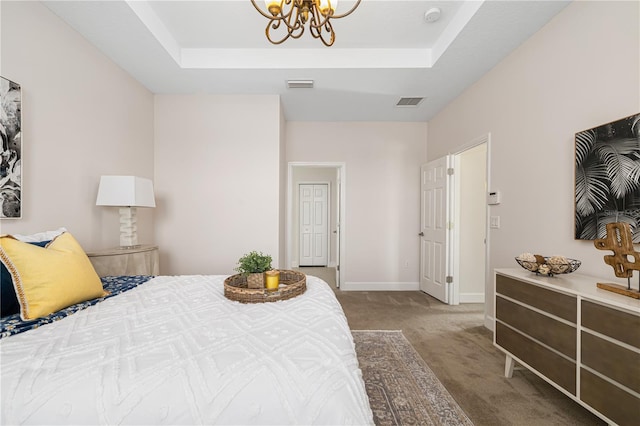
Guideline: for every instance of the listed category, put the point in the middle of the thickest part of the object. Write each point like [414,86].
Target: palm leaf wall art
[607,178]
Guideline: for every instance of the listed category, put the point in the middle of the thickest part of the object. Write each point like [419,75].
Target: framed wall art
[607,178]
[11,151]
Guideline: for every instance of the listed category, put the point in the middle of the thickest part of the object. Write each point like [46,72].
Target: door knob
[421,234]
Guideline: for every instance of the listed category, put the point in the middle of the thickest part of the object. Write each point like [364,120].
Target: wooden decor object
[620,241]
[255,280]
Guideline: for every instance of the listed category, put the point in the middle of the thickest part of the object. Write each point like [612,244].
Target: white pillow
[40,236]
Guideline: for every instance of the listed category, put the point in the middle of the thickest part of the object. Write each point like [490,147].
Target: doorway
[470,217]
[454,225]
[334,177]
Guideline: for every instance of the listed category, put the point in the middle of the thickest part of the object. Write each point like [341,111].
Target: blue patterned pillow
[9,304]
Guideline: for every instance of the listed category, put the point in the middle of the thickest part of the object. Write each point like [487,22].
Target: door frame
[454,289]
[329,206]
[342,169]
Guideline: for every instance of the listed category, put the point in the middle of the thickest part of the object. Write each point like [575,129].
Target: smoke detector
[432,14]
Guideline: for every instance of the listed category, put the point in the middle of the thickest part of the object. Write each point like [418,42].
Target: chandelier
[293,15]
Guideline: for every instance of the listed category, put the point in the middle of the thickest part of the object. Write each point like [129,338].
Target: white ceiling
[383,51]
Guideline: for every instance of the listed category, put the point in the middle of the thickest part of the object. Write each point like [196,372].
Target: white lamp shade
[121,191]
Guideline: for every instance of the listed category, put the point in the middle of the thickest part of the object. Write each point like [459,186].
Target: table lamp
[126,192]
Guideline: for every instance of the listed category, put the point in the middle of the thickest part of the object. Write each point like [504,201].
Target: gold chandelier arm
[294,30]
[347,13]
[316,30]
[317,21]
[275,26]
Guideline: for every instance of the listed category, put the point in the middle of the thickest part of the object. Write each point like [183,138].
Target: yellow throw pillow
[51,278]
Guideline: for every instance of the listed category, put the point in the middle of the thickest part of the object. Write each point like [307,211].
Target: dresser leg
[509,363]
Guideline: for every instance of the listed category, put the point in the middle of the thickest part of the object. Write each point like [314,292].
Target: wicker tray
[292,284]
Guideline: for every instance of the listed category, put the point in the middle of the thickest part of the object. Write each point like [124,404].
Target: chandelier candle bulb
[272,280]
[273,6]
[328,7]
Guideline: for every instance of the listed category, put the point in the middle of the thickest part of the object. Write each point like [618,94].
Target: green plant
[254,262]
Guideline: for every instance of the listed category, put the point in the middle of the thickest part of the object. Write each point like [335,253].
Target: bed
[173,350]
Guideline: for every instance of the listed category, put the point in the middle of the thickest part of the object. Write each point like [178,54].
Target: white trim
[489,277]
[490,323]
[342,167]
[381,286]
[471,297]
[205,58]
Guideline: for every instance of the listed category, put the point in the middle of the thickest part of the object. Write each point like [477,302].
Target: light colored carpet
[459,350]
[402,389]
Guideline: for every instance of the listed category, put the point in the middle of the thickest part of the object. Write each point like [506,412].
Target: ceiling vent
[409,102]
[300,84]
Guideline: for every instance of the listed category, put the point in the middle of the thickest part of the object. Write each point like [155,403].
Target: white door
[434,233]
[314,225]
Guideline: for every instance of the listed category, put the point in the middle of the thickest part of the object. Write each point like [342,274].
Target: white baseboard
[295,264]
[471,297]
[380,286]
[489,322]
[331,264]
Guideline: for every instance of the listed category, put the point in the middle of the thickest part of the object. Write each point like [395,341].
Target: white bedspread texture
[176,351]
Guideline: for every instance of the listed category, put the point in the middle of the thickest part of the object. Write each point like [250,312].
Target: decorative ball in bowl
[550,266]
[528,264]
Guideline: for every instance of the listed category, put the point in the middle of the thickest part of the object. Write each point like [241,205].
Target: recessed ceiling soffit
[188,57]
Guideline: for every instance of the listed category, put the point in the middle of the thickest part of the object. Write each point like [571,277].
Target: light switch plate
[495,222]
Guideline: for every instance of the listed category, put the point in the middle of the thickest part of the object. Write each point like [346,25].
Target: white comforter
[176,351]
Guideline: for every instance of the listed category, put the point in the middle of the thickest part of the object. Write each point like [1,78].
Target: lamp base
[128,227]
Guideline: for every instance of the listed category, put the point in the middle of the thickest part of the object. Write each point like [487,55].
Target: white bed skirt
[175,351]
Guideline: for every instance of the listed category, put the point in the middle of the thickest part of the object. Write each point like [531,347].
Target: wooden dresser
[583,340]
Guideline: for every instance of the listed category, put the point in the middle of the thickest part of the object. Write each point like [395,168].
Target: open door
[434,233]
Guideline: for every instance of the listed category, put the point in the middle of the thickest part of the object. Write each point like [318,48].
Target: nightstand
[141,260]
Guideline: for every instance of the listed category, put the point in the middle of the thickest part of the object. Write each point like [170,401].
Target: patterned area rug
[402,389]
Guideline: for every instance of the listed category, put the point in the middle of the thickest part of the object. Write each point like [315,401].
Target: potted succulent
[254,265]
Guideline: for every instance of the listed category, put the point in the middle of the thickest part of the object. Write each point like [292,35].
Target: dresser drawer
[553,302]
[551,332]
[615,403]
[611,360]
[555,367]
[617,324]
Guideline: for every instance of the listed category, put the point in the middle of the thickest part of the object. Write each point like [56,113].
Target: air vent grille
[300,84]
[409,102]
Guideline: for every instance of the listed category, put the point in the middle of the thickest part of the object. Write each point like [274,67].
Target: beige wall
[382,194]
[581,70]
[82,117]
[217,180]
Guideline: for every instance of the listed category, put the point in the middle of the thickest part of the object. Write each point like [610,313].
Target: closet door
[314,224]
